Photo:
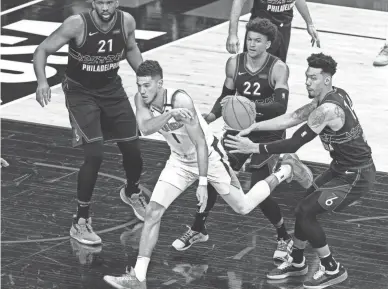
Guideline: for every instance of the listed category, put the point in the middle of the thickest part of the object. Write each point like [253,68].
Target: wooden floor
[38,199]
[38,189]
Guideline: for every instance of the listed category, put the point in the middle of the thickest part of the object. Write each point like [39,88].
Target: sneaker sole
[86,242]
[196,241]
[125,200]
[332,282]
[290,274]
[117,286]
[302,167]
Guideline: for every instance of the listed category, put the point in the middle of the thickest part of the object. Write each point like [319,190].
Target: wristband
[203,181]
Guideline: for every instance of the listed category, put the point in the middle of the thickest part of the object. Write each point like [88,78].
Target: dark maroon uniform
[280,13]
[256,86]
[98,105]
[352,172]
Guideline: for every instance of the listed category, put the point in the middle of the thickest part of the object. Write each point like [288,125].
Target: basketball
[239,112]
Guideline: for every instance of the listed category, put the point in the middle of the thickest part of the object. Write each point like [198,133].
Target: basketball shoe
[300,172]
[323,278]
[288,269]
[283,249]
[189,238]
[137,201]
[126,281]
[83,232]
[382,58]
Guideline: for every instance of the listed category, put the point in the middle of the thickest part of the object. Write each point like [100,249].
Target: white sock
[141,267]
[283,173]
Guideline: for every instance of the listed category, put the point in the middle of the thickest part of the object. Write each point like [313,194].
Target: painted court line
[19,7]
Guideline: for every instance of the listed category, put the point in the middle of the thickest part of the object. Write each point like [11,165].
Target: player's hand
[246,131]
[43,94]
[238,144]
[181,113]
[209,117]
[233,44]
[202,198]
[314,35]
[3,163]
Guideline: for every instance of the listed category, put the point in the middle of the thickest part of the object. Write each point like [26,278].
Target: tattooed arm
[328,114]
[286,120]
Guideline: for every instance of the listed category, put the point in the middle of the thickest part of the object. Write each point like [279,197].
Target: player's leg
[84,115]
[382,57]
[118,123]
[172,182]
[197,232]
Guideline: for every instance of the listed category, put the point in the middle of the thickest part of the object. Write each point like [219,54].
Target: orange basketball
[239,112]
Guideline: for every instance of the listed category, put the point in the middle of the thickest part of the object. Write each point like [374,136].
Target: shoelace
[284,265]
[384,50]
[188,234]
[142,200]
[320,273]
[282,245]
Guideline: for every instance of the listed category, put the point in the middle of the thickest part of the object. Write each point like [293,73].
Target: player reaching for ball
[263,79]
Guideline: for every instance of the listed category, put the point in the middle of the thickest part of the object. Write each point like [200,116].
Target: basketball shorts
[340,189]
[279,47]
[100,114]
[237,160]
[182,174]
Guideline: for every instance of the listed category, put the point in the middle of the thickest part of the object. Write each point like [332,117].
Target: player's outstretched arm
[228,89]
[279,77]
[133,54]
[69,29]
[328,114]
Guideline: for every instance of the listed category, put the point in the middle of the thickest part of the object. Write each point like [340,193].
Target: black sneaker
[288,269]
[323,278]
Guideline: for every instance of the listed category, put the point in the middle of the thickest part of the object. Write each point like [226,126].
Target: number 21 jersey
[95,63]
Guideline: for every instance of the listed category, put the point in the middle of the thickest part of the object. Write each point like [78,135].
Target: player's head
[149,80]
[105,9]
[260,34]
[319,73]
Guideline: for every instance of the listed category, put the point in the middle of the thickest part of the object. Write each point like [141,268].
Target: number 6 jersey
[255,85]
[95,63]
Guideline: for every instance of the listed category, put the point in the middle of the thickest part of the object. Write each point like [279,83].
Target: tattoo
[339,113]
[304,112]
[317,118]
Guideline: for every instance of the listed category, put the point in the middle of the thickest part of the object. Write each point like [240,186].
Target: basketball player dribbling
[98,106]
[350,176]
[263,79]
[280,13]
[195,154]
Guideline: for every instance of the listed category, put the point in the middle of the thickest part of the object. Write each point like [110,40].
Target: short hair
[262,26]
[150,68]
[324,62]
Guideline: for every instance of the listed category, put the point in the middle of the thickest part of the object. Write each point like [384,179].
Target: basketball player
[280,13]
[98,106]
[195,153]
[350,176]
[263,79]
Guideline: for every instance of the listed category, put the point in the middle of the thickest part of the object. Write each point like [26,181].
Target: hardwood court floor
[38,199]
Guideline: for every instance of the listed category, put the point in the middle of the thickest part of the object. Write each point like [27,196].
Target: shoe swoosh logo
[91,34]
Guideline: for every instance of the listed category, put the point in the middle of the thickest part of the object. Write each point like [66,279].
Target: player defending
[95,98]
[263,79]
[280,13]
[350,176]
[195,153]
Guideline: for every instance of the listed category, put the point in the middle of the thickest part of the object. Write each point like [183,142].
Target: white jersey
[176,134]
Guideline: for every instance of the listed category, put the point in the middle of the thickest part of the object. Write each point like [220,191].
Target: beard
[106,19]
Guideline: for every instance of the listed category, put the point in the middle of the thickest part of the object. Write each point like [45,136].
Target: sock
[199,222]
[83,210]
[283,173]
[282,232]
[131,188]
[297,255]
[141,268]
[329,263]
